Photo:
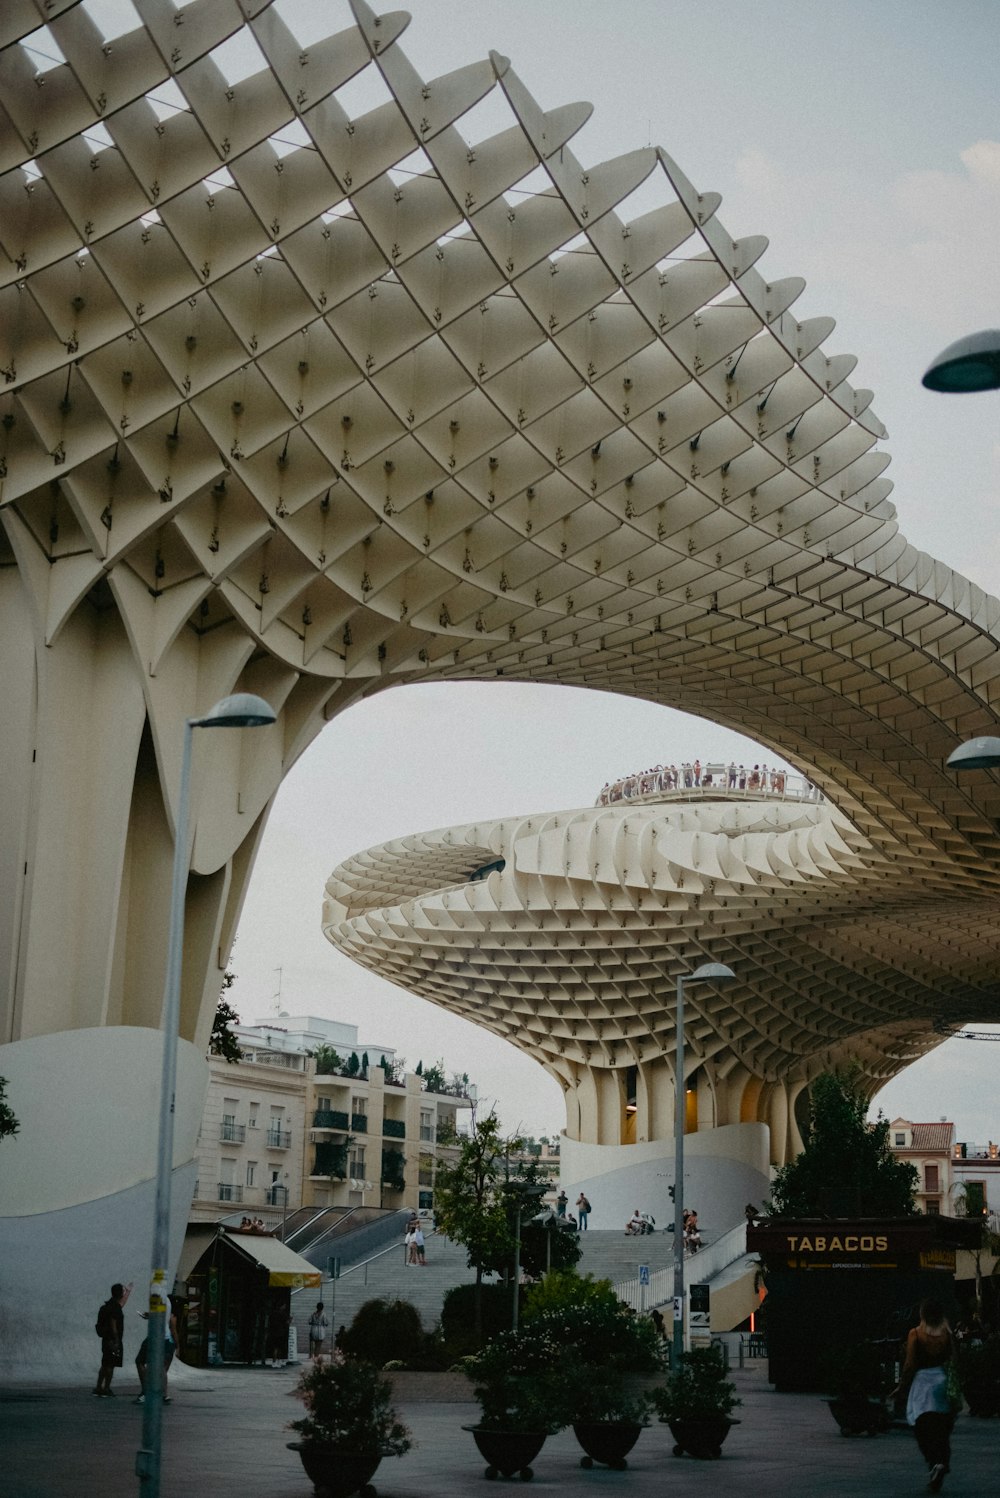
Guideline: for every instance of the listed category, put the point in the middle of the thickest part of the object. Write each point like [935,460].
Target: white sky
[863,140]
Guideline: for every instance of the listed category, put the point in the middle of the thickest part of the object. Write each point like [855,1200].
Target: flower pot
[607,1441]
[335,1472]
[860,1414]
[508,1451]
[700,1435]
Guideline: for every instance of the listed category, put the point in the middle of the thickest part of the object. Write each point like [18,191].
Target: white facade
[283,418]
[272,1128]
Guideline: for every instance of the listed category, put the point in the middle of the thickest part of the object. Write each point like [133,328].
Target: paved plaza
[224,1437]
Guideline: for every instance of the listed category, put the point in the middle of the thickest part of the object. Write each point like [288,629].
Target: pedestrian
[410,1243]
[317,1332]
[110,1328]
[929,1348]
[562,1201]
[582,1211]
[278,1321]
[418,1244]
[169,1347]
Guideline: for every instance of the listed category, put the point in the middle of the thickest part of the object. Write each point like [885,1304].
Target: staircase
[606,1255]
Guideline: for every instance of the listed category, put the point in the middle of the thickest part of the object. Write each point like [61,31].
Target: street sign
[644,1274]
[699,1306]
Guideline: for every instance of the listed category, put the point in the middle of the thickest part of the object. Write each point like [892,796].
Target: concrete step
[605,1254]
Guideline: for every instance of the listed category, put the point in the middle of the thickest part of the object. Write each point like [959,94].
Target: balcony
[279,1139]
[359,1123]
[326,1118]
[230,1193]
[232,1133]
[393,1128]
[276,1196]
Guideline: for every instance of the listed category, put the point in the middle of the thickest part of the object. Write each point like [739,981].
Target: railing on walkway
[686,783]
[699,1267]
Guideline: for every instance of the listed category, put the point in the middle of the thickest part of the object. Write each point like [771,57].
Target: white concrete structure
[311,400]
[564,933]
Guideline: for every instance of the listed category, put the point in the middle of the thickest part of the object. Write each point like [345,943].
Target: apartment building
[275,1136]
[929,1147]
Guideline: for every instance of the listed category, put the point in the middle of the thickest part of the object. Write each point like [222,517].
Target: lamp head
[711,972]
[975,754]
[971,364]
[241,710]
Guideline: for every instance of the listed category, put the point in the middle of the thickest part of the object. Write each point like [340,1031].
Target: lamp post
[242,710]
[975,754]
[971,364]
[709,972]
[526,1193]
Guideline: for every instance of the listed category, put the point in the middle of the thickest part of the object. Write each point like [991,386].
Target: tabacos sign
[841,1250]
[836,1243]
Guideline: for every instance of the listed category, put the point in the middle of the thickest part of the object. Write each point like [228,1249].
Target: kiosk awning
[284,1266]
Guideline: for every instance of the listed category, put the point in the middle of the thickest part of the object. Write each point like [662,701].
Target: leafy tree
[469,1203]
[434,1077]
[329,1063]
[9,1125]
[222,1042]
[847,1168]
[353,1064]
[393,1162]
[475,1203]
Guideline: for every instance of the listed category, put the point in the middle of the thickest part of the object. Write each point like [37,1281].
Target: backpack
[103,1324]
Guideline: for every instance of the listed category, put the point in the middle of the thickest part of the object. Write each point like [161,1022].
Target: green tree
[434,1077]
[469,1201]
[9,1125]
[222,1042]
[476,1203]
[847,1168]
[329,1063]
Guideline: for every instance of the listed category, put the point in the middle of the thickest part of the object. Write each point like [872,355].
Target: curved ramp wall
[77,1191]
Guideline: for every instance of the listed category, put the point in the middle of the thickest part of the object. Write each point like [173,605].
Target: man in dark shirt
[111,1329]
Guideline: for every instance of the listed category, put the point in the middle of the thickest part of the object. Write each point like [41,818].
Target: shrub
[596,1328]
[348,1405]
[698,1387]
[518,1381]
[458,1317]
[385,1331]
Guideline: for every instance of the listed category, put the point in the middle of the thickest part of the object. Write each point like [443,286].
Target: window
[324,1104]
[931,1178]
[900,1141]
[252,1120]
[933,1206]
[359,1105]
[356,1161]
[426,1124]
[251,1171]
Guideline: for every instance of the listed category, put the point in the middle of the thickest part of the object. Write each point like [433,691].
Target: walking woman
[929,1348]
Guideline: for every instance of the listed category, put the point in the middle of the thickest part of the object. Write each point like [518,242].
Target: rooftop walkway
[224,1435]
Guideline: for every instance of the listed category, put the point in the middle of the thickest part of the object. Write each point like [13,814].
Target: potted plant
[697,1403]
[978,1363]
[859,1389]
[348,1427]
[607,1418]
[517,1383]
[603,1347]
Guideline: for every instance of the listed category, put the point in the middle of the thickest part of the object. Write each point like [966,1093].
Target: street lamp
[526,1194]
[975,754]
[242,710]
[971,364]
[709,972]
